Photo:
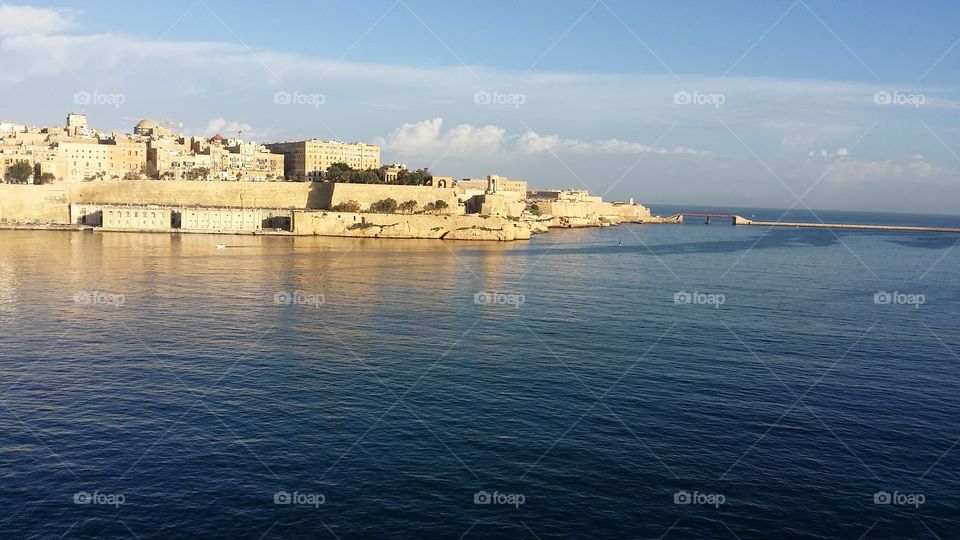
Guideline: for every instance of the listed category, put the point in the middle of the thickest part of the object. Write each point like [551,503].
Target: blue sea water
[694,382]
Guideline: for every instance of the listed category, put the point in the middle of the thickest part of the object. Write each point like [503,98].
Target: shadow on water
[772,239]
[927,241]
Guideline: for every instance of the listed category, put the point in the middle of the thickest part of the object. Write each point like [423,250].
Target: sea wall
[35,203]
[51,202]
[171,193]
[367,194]
[371,225]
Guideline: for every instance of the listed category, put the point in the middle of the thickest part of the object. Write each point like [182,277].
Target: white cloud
[225,128]
[863,171]
[532,143]
[841,153]
[26,20]
[427,138]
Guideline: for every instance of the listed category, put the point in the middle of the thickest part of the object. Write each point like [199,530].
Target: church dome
[145,126]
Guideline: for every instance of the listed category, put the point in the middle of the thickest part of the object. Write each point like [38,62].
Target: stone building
[72,153]
[308,160]
[221,219]
[195,158]
[136,217]
[494,196]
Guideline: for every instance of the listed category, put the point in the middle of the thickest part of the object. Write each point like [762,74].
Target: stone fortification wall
[370,225]
[367,194]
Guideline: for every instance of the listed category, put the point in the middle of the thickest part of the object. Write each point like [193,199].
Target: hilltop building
[72,153]
[196,158]
[77,153]
[494,195]
[307,161]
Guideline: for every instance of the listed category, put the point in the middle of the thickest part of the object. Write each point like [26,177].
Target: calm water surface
[152,386]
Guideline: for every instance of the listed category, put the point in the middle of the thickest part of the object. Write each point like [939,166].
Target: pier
[740,220]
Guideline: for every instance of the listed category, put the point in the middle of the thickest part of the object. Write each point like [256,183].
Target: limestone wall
[52,202]
[176,193]
[633,212]
[366,194]
[35,203]
[369,225]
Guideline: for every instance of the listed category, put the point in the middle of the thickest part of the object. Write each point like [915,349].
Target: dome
[216,138]
[145,126]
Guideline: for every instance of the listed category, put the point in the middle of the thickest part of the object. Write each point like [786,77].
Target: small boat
[221,246]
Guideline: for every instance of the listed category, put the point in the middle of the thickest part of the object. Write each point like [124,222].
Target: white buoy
[221,246]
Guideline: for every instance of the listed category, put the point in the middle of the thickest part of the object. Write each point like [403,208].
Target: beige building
[493,196]
[96,159]
[309,160]
[136,217]
[221,159]
[74,152]
[221,219]
[86,214]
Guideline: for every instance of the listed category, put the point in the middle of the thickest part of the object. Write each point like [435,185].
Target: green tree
[419,177]
[407,207]
[46,178]
[349,206]
[19,172]
[385,206]
[534,209]
[201,173]
[338,172]
[150,171]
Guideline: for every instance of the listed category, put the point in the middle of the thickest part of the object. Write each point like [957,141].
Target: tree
[438,206]
[338,172]
[19,172]
[407,207]
[349,206]
[343,173]
[385,206]
[46,178]
[419,177]
[150,170]
[202,173]
[131,176]
[534,209]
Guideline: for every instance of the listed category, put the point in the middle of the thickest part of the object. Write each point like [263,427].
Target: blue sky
[784,108]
